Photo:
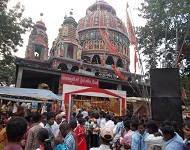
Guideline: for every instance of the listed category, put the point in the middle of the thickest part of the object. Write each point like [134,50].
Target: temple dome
[101,15]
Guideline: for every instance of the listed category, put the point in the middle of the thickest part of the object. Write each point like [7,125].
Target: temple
[97,47]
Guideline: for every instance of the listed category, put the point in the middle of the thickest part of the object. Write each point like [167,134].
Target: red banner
[79,80]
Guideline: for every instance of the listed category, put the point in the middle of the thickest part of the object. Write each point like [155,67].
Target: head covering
[106,133]
[62,114]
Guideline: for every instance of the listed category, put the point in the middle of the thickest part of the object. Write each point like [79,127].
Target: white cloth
[42,125]
[101,122]
[44,109]
[85,114]
[151,141]
[14,108]
[110,124]
[55,129]
[102,147]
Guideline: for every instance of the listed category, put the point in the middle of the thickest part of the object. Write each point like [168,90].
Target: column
[75,53]
[119,87]
[19,77]
[65,50]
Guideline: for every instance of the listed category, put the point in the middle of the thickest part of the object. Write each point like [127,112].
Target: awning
[138,99]
[26,94]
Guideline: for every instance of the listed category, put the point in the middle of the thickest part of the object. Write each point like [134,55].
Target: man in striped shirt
[69,140]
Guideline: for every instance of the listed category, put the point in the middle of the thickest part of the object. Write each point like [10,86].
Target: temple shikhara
[94,51]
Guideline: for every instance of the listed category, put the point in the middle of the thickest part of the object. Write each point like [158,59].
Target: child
[43,138]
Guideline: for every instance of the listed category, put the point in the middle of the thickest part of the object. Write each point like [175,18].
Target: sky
[55,10]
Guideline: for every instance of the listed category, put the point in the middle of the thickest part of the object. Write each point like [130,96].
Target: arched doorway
[96,59]
[110,61]
[119,63]
[70,51]
[74,69]
[62,67]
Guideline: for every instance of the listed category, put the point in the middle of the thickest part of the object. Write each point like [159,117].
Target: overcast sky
[55,10]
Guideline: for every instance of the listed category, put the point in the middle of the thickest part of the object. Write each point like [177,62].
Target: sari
[80,132]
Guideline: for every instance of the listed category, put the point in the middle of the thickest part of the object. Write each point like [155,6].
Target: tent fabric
[97,90]
[32,93]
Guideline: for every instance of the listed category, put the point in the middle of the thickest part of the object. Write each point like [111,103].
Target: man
[69,140]
[153,140]
[32,141]
[109,123]
[172,141]
[55,126]
[48,126]
[15,130]
[43,119]
[138,138]
[117,130]
[106,136]
[186,130]
[84,112]
[101,120]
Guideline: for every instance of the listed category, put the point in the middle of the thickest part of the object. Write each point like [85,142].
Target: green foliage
[157,39]
[12,26]
[186,85]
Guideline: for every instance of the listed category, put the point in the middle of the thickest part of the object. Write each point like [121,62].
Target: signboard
[79,80]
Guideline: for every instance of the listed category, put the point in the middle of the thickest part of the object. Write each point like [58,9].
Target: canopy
[26,94]
[92,91]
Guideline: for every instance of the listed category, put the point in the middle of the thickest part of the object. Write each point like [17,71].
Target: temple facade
[97,46]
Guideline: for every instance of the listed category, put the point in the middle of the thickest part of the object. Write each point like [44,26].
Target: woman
[126,136]
[44,141]
[81,135]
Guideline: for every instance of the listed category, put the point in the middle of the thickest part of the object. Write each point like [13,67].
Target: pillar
[119,87]
[19,77]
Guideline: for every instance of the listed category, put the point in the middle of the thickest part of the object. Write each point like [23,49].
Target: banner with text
[79,80]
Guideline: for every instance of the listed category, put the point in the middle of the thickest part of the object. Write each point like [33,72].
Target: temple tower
[37,48]
[66,44]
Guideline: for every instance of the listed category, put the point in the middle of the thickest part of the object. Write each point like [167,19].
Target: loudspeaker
[165,95]
[165,82]
[166,108]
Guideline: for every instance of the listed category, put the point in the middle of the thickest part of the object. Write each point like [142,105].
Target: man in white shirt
[106,136]
[55,126]
[109,123]
[153,139]
[101,120]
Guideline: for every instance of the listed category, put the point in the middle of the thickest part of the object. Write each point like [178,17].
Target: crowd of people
[91,129]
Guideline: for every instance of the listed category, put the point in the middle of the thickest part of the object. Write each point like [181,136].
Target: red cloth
[81,137]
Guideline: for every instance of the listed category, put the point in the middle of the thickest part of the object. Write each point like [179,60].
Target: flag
[132,38]
[130,30]
[118,73]
[135,59]
[107,42]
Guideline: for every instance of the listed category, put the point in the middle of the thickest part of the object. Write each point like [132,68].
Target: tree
[165,20]
[165,38]
[12,26]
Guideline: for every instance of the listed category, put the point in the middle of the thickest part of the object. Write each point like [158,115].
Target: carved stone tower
[66,44]
[37,48]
